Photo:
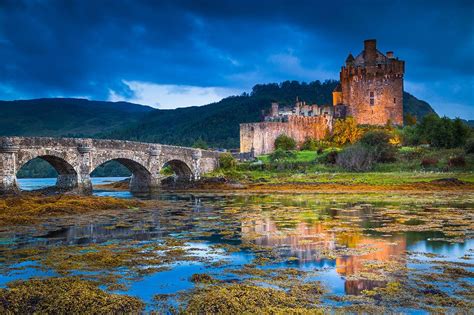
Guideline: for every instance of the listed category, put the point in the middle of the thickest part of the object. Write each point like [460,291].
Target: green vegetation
[252,299]
[67,117]
[30,208]
[227,161]
[64,296]
[438,132]
[283,142]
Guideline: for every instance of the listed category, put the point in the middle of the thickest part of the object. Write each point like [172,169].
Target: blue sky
[178,53]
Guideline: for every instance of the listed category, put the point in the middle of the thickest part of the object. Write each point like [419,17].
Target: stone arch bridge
[75,159]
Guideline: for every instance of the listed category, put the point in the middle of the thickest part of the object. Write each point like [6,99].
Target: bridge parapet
[75,158]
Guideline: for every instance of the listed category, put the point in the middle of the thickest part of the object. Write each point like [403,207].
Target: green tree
[410,120]
[200,144]
[284,142]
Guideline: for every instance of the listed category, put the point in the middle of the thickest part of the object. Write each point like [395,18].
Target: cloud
[168,96]
[56,47]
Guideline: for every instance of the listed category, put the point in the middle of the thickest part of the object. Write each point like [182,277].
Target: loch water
[346,242]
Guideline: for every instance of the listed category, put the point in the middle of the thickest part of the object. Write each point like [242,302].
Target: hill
[416,107]
[216,123]
[66,117]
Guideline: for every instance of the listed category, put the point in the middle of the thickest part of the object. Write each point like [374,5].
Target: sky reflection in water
[307,240]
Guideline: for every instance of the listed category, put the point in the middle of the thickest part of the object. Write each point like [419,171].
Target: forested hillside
[66,117]
[216,124]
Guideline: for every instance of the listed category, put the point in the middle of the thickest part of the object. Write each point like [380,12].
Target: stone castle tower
[371,87]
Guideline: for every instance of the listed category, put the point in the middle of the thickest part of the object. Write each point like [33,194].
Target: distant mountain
[216,123]
[66,116]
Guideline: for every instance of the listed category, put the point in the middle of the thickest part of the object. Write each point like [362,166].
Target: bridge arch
[180,168]
[67,178]
[141,178]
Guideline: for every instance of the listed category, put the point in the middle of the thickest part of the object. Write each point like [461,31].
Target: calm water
[38,183]
[332,237]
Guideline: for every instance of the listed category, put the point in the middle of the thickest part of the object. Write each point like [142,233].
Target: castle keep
[370,90]
[371,87]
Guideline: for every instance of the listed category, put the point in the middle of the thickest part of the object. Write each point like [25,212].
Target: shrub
[331,157]
[285,143]
[429,162]
[378,142]
[356,157]
[227,161]
[280,155]
[469,147]
[457,161]
[310,144]
[346,131]
[320,151]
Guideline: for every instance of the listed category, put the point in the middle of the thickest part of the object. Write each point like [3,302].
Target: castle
[370,90]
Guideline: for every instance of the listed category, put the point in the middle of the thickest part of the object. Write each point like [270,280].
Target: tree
[284,142]
[461,132]
[442,132]
[200,144]
[410,120]
[346,131]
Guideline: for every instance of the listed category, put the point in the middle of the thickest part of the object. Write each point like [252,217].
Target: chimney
[390,55]
[370,51]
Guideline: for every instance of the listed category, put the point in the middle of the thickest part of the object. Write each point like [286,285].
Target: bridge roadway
[74,159]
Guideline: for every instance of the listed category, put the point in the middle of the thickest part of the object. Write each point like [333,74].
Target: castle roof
[338,88]
[380,58]
[350,58]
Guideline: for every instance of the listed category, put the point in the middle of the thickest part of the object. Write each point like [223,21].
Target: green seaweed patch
[202,278]
[64,296]
[248,299]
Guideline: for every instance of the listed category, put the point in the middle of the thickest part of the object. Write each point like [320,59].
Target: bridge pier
[8,156]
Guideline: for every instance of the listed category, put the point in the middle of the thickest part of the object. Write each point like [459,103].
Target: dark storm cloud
[88,48]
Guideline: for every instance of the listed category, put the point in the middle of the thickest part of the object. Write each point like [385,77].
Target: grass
[310,167]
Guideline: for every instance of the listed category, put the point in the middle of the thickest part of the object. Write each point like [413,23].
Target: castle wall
[261,136]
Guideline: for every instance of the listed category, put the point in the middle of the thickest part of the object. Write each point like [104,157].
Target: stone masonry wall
[261,136]
[388,96]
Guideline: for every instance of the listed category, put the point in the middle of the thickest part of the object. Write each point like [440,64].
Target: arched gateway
[75,159]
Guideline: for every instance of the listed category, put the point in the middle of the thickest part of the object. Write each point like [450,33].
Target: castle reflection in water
[311,243]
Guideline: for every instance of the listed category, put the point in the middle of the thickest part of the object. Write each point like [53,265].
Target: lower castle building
[370,90]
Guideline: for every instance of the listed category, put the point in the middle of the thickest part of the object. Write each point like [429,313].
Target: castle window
[394,100]
[372,99]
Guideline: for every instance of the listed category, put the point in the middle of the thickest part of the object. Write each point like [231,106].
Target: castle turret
[372,86]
